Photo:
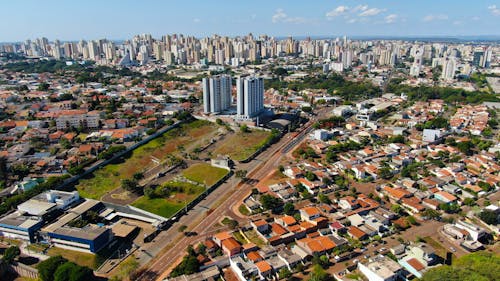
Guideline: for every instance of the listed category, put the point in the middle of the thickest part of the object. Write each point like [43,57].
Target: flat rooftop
[17,219]
[71,215]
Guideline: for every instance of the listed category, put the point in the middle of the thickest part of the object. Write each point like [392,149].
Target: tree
[43,86]
[189,265]
[11,253]
[131,185]
[138,176]
[244,128]
[284,273]
[318,274]
[480,266]
[241,174]
[324,199]
[396,208]
[182,228]
[465,147]
[489,217]
[431,214]
[289,208]
[385,173]
[270,202]
[48,267]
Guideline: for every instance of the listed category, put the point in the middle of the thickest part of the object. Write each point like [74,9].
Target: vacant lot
[166,207]
[204,173]
[83,259]
[240,146]
[109,177]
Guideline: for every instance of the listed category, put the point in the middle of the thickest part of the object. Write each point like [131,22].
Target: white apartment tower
[216,93]
[250,96]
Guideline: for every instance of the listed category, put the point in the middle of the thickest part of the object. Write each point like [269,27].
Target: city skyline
[119,20]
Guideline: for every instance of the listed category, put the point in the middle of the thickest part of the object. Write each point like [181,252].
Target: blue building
[17,225]
[90,238]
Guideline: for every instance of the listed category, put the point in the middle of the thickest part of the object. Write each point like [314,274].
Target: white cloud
[340,10]
[494,10]
[391,18]
[360,8]
[196,20]
[430,18]
[371,12]
[281,16]
[457,22]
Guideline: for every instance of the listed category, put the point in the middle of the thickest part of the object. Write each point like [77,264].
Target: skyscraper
[250,96]
[216,93]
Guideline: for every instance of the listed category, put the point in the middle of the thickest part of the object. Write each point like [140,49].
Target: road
[257,169]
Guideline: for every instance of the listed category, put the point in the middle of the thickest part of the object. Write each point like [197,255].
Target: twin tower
[249,95]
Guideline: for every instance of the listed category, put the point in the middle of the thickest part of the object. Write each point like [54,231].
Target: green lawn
[159,206]
[110,176]
[204,173]
[240,146]
[166,207]
[83,259]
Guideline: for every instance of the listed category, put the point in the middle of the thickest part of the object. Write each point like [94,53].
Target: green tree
[385,173]
[289,208]
[480,266]
[323,198]
[48,267]
[318,274]
[244,128]
[270,202]
[489,217]
[131,185]
[284,273]
[138,176]
[11,253]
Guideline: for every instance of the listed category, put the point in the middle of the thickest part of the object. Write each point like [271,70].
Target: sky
[121,19]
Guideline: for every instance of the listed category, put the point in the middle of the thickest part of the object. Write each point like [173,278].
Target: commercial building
[89,238]
[16,225]
[216,93]
[249,96]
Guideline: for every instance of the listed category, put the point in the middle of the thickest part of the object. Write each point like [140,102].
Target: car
[453,249]
[190,233]
[382,250]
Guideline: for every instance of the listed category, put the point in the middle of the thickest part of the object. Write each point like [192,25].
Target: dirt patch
[120,196]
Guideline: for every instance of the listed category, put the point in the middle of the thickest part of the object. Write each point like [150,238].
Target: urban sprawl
[250,158]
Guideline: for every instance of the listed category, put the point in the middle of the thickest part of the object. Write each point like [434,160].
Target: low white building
[381,269]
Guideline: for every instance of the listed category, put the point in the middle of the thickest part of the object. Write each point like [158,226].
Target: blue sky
[121,19]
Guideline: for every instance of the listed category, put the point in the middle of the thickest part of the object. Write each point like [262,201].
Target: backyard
[242,145]
[109,177]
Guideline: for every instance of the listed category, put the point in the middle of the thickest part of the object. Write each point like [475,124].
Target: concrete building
[216,93]
[90,238]
[16,225]
[249,96]
[381,269]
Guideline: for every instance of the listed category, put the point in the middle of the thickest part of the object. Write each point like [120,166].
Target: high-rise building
[216,93]
[250,96]
[449,67]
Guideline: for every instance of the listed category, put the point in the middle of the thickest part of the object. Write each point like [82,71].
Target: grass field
[110,176]
[166,207]
[240,146]
[83,259]
[204,173]
[254,238]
